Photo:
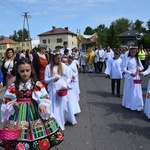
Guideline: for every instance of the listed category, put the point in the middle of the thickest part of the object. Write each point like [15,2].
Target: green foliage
[101,31]
[109,36]
[88,31]
[112,37]
[147,41]
[20,35]
[122,25]
[138,25]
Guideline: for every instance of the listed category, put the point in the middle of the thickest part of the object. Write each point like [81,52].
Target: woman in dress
[40,61]
[132,94]
[8,67]
[27,106]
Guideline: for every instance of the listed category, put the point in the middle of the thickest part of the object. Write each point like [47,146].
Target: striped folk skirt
[36,134]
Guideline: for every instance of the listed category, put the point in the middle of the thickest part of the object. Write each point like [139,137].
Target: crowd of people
[42,95]
[42,89]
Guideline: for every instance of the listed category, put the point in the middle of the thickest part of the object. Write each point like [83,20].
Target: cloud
[40,12]
[28,1]
[112,18]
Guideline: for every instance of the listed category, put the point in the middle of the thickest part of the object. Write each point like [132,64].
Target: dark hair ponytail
[33,77]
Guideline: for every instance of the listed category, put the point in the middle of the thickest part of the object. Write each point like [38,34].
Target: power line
[12,5]
[7,5]
[11,24]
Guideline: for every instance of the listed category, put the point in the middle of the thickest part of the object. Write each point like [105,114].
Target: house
[25,45]
[131,37]
[7,43]
[57,36]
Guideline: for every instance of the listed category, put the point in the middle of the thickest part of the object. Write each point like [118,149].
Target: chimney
[66,28]
[53,28]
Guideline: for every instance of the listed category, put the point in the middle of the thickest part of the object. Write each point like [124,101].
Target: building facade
[131,37]
[17,46]
[57,36]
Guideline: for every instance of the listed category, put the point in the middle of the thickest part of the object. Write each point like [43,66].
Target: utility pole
[26,16]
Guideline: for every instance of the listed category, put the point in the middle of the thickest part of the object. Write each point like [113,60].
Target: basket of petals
[62,91]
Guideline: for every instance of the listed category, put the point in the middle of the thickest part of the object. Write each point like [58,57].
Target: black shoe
[113,93]
[118,96]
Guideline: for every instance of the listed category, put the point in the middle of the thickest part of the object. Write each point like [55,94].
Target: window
[4,47]
[1,48]
[27,44]
[48,40]
[59,40]
[44,41]
[72,43]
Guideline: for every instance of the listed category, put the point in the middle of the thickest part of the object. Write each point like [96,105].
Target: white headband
[55,53]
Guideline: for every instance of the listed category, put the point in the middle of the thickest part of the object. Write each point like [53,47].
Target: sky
[74,14]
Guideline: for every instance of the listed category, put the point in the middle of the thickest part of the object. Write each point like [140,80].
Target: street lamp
[140,37]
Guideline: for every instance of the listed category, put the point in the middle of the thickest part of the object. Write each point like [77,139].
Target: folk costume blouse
[38,131]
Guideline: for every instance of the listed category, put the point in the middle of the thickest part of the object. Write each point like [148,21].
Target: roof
[56,31]
[5,40]
[130,33]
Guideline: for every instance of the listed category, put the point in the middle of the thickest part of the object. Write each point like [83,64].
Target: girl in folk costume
[8,67]
[27,106]
[56,74]
[114,72]
[147,102]
[132,94]
[75,85]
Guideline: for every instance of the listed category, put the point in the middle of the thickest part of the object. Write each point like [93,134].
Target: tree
[88,31]
[14,36]
[101,32]
[148,26]
[112,37]
[138,26]
[146,42]
[20,35]
[122,25]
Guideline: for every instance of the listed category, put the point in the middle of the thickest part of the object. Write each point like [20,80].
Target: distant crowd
[44,86]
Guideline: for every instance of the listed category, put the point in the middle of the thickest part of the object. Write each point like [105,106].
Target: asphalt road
[103,123]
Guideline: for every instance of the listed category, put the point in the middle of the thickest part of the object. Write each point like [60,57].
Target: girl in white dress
[71,105]
[132,94]
[147,102]
[56,74]
[75,85]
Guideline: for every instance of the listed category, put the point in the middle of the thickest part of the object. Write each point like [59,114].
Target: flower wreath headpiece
[55,52]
